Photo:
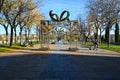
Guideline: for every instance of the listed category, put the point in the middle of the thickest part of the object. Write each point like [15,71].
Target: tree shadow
[59,67]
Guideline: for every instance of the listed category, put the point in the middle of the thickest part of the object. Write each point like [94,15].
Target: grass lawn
[4,48]
[115,48]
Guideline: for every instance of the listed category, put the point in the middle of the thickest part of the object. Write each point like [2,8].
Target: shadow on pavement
[59,67]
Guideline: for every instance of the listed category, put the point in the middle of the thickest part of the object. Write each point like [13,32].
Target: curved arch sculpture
[55,17]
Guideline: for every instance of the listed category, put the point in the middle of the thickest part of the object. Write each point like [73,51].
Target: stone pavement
[60,64]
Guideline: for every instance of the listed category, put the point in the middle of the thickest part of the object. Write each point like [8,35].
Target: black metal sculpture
[55,17]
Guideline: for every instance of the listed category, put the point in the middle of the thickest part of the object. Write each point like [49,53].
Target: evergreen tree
[117,32]
[102,39]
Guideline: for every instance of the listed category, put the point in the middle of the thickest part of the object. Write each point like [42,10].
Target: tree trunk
[100,37]
[20,36]
[26,40]
[28,35]
[1,4]
[6,30]
[86,38]
[107,35]
[116,32]
[6,37]
[15,39]
[39,35]
[96,35]
[11,37]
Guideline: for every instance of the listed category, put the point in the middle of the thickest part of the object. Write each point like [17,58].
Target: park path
[61,48]
[59,64]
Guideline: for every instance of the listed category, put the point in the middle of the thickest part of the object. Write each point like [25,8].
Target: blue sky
[75,7]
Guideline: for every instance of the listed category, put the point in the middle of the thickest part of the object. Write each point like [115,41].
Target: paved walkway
[59,64]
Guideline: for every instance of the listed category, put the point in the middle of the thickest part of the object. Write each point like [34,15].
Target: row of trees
[102,16]
[22,14]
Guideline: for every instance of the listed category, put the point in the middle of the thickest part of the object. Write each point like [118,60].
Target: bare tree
[12,9]
[104,12]
[82,28]
[4,23]
[21,20]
